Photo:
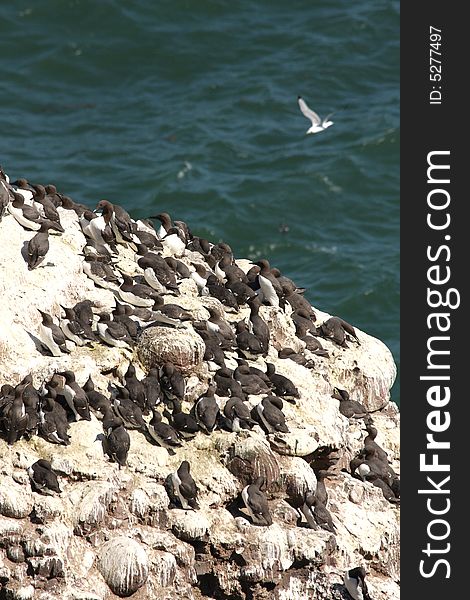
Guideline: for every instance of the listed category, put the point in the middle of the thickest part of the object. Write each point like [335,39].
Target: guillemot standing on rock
[15,418]
[117,439]
[259,327]
[96,400]
[72,327]
[165,224]
[256,503]
[270,287]
[251,383]
[184,423]
[153,392]
[38,245]
[296,357]
[181,487]
[316,513]
[282,385]
[50,211]
[369,442]
[172,382]
[27,216]
[238,414]
[120,222]
[135,387]
[137,294]
[129,412]
[75,396]
[43,478]
[219,291]
[53,425]
[248,344]
[355,583]
[336,329]
[114,333]
[271,415]
[51,335]
[162,433]
[100,272]
[206,411]
[347,407]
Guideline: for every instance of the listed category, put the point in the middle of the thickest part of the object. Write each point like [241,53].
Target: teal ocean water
[191,107]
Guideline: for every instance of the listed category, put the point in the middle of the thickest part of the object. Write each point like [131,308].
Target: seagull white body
[318,124]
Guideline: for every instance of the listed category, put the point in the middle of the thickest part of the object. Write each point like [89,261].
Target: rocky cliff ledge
[113,530]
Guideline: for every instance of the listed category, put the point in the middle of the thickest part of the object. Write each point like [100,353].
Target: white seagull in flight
[317,123]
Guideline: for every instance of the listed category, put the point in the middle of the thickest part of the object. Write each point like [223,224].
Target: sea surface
[190,107]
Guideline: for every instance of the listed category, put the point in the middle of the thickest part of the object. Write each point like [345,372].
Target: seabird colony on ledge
[141,301]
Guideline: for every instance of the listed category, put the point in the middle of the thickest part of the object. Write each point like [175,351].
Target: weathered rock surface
[111,533]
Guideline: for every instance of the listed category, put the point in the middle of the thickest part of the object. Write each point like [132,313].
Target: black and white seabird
[43,478]
[114,333]
[27,215]
[251,383]
[158,274]
[53,424]
[38,245]
[347,407]
[256,503]
[178,267]
[184,423]
[321,491]
[129,412]
[15,418]
[120,222]
[75,396]
[313,345]
[153,392]
[72,327]
[96,400]
[199,276]
[248,344]
[4,198]
[135,387]
[206,411]
[303,323]
[137,294]
[172,382]
[100,272]
[117,439]
[217,324]
[162,433]
[226,385]
[337,329]
[238,414]
[174,241]
[258,326]
[297,357]
[317,514]
[355,583]
[48,207]
[165,224]
[270,288]
[220,292]
[184,487]
[123,313]
[271,415]
[282,386]
[369,442]
[51,335]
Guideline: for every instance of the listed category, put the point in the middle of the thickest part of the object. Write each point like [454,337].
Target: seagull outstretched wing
[308,112]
